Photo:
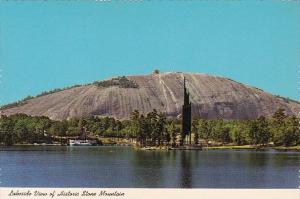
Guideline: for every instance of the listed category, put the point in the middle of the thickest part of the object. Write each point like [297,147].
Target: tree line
[122,82]
[154,129]
[29,97]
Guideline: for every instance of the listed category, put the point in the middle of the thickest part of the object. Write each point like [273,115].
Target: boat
[85,142]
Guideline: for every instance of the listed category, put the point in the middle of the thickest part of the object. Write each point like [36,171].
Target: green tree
[225,135]
[174,131]
[279,115]
[263,130]
[160,129]
[239,133]
[253,132]
[135,125]
[259,132]
[156,71]
[195,131]
[277,127]
[291,133]
[204,130]
[21,131]
[8,137]
[142,131]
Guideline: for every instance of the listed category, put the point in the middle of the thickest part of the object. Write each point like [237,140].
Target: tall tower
[186,115]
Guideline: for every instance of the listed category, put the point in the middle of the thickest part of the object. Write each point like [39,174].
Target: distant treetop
[156,71]
[122,82]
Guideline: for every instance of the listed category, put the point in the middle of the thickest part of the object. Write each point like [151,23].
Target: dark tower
[186,115]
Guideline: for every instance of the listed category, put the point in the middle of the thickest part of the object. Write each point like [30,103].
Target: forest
[154,129]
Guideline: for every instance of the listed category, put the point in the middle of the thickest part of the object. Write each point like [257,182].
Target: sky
[55,44]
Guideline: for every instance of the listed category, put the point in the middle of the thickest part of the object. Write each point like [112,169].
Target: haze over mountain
[212,97]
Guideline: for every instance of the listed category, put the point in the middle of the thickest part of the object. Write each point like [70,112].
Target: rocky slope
[212,97]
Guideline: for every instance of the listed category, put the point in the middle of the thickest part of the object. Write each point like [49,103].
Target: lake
[125,167]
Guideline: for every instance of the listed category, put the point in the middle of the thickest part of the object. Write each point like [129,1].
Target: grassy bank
[282,148]
[231,147]
[225,147]
[125,142]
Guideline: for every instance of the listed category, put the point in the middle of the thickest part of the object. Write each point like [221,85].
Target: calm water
[124,167]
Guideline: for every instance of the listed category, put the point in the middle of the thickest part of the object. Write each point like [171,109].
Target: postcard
[149,99]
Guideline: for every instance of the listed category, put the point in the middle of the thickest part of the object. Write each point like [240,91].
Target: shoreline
[166,148]
[252,147]
[232,147]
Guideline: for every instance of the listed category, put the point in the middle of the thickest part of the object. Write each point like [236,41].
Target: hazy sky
[53,44]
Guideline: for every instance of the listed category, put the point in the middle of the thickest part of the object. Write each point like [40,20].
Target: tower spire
[186,114]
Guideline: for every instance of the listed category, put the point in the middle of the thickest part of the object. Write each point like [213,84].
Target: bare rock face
[212,97]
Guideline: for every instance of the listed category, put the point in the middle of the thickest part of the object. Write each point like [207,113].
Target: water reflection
[125,167]
[186,176]
[147,169]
